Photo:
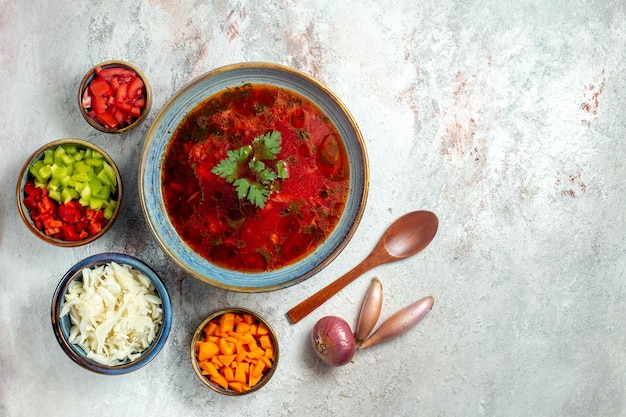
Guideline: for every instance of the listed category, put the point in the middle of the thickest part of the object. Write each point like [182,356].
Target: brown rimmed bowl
[25,175]
[98,124]
[204,376]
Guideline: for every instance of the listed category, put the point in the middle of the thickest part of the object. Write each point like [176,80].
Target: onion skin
[400,322]
[370,310]
[333,340]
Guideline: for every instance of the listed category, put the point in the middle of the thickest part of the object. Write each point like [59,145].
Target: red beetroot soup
[301,210]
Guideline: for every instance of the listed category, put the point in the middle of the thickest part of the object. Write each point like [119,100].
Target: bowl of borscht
[253,177]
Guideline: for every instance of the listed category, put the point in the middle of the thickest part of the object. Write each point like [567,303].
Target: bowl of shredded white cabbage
[111,313]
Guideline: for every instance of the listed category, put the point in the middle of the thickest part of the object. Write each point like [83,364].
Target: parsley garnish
[252,170]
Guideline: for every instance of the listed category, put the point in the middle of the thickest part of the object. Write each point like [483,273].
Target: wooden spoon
[406,236]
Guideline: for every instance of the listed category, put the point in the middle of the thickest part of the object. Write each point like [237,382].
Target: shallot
[401,321]
[333,340]
[370,310]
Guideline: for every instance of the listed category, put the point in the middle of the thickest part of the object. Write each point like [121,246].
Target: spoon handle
[303,309]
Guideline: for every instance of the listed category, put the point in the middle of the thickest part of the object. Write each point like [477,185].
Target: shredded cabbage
[115,313]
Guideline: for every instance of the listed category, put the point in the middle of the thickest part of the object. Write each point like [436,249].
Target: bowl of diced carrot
[234,352]
[114,97]
[69,192]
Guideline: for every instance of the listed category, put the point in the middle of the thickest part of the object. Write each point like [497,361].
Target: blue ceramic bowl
[62,325]
[157,141]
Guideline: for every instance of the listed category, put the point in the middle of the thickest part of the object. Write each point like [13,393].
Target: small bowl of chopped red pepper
[114,97]
[69,192]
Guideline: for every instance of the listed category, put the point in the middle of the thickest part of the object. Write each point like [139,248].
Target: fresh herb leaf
[242,185]
[233,166]
[258,195]
[281,169]
[265,175]
[244,168]
[267,146]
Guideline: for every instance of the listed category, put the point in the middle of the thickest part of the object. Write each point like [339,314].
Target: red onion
[333,340]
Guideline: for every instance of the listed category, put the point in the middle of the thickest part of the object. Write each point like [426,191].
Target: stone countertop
[506,119]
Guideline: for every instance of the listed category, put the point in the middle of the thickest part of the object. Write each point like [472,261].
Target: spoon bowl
[405,237]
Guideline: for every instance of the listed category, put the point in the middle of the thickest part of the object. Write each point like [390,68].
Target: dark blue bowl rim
[74,352]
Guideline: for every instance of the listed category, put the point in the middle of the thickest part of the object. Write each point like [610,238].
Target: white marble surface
[507,119]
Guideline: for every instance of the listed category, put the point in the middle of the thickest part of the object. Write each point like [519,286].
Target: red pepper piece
[69,233]
[81,225]
[135,111]
[100,87]
[122,93]
[53,231]
[134,89]
[119,116]
[94,228]
[31,189]
[115,83]
[98,103]
[107,119]
[124,107]
[114,71]
[30,202]
[68,213]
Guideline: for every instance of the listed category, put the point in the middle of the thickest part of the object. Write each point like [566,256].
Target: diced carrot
[225,347]
[265,341]
[209,368]
[227,322]
[248,318]
[238,386]
[217,362]
[262,329]
[266,361]
[209,329]
[229,373]
[242,327]
[254,379]
[203,366]
[242,355]
[256,353]
[258,368]
[207,350]
[219,380]
[241,372]
[227,359]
